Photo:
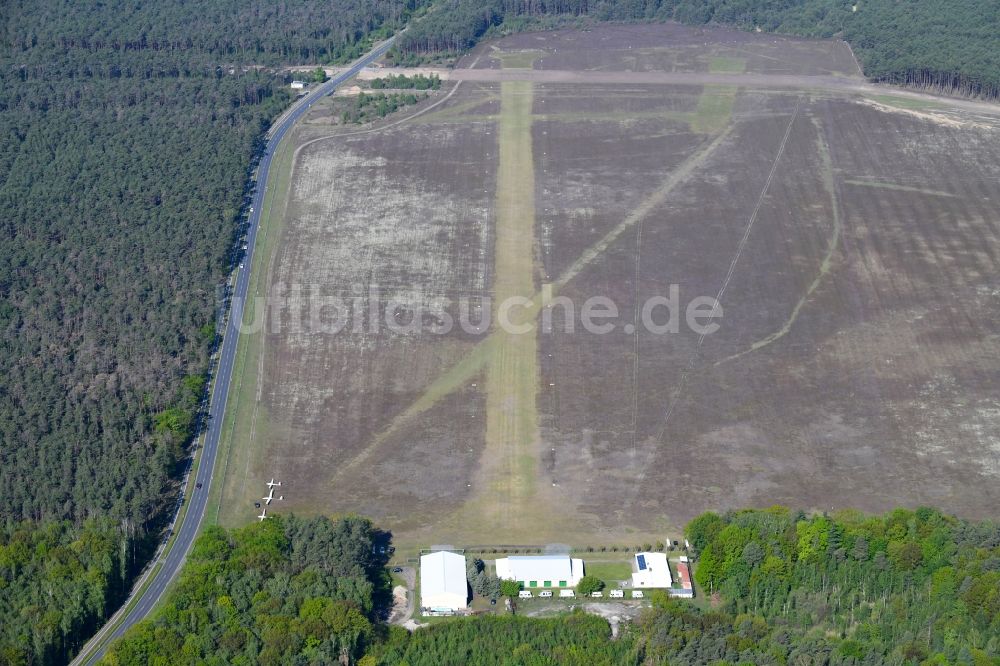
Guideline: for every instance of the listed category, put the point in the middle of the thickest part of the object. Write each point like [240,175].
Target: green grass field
[244,422]
[610,571]
[907,103]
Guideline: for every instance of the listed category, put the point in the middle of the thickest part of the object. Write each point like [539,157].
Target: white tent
[443,588]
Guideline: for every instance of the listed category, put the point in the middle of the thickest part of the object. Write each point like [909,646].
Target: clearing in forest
[853,245]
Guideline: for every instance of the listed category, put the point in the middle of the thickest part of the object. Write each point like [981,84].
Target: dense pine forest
[950,45]
[776,587]
[127,131]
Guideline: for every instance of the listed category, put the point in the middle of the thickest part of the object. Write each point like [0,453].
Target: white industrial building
[537,571]
[298,85]
[651,570]
[443,588]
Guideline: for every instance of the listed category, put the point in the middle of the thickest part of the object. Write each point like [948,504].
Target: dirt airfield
[851,239]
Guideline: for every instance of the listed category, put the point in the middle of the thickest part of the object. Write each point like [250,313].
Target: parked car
[567,594]
[524,594]
[637,594]
[597,595]
[397,570]
[617,594]
[545,593]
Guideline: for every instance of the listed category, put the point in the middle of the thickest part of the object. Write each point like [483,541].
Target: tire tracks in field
[682,384]
[826,264]
[475,361]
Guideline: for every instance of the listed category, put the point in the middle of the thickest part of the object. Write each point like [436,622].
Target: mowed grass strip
[908,103]
[512,438]
[608,571]
[518,59]
[715,106]
[244,425]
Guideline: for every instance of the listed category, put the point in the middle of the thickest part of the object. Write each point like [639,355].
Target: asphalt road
[187,528]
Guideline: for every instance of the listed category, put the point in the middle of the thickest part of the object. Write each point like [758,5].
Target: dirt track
[747,80]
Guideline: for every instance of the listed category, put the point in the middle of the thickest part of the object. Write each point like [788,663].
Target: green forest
[947,45]
[127,133]
[776,587]
[285,590]
[57,581]
[908,586]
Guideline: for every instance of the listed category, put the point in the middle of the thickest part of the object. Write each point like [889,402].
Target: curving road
[170,560]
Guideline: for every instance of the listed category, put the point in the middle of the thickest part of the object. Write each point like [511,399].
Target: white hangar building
[443,588]
[537,571]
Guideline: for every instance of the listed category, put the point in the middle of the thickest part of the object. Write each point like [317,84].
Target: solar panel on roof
[641,559]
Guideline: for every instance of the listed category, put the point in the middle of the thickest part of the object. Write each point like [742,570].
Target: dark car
[256,505]
[198,486]
[397,570]
[493,602]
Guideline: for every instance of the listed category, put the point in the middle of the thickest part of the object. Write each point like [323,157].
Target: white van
[524,594]
[637,594]
[545,593]
[597,595]
[567,594]
[617,594]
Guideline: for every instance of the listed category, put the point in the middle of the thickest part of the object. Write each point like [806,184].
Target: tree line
[219,31]
[905,587]
[367,107]
[951,45]
[779,587]
[403,82]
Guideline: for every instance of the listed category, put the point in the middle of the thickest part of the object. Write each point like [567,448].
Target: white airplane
[263,514]
[270,496]
[272,484]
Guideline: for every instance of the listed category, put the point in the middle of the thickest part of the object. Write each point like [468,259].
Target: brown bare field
[852,241]
[673,48]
